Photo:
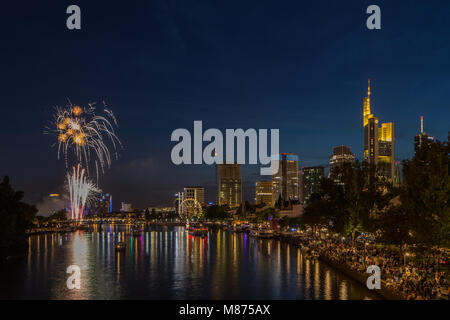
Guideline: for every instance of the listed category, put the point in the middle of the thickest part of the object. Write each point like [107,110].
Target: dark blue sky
[298,66]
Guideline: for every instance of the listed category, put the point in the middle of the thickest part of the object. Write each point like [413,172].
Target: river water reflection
[167,263]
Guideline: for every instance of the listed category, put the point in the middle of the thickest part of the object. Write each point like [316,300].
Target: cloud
[49,205]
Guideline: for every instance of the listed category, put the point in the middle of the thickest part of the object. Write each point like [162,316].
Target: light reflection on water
[168,263]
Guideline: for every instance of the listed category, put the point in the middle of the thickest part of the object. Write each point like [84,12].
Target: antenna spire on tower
[421,124]
[368,88]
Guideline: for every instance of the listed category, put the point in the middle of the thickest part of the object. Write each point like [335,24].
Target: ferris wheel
[190,208]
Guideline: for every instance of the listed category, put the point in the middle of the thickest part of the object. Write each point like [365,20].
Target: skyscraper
[386,150]
[422,138]
[126,207]
[230,185]
[264,193]
[341,154]
[105,202]
[311,177]
[285,181]
[197,193]
[370,124]
[379,142]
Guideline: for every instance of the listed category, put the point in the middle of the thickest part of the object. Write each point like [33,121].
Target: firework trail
[85,135]
[81,190]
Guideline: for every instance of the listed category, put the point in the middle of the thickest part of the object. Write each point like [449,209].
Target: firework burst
[81,191]
[85,135]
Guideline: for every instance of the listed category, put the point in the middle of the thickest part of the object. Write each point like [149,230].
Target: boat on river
[83,227]
[121,246]
[237,228]
[265,233]
[197,229]
[253,233]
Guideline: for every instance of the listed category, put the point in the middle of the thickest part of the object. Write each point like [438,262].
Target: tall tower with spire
[421,138]
[379,147]
[370,124]
[366,106]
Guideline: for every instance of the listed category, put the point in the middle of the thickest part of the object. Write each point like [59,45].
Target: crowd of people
[414,279]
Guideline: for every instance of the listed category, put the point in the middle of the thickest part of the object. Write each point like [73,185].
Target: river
[167,263]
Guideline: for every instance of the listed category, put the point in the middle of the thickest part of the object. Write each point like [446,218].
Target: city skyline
[202,154]
[261,78]
[326,166]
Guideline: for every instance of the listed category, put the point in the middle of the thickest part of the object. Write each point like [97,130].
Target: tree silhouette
[425,195]
[15,216]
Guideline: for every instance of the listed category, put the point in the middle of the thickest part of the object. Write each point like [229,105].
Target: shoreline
[384,292]
[47,230]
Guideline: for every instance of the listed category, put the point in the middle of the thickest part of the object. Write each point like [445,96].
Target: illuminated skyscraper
[422,138]
[379,142]
[197,193]
[341,154]
[285,181]
[230,185]
[370,124]
[126,207]
[105,202]
[264,193]
[386,150]
[311,177]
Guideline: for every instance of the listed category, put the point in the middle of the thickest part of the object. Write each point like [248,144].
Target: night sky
[300,66]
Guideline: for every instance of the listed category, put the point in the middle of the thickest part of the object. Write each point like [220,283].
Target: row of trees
[220,213]
[54,218]
[153,215]
[216,212]
[356,198]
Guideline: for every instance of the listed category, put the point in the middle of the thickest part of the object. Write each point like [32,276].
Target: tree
[289,222]
[147,214]
[394,227]
[15,216]
[279,202]
[426,193]
[60,215]
[317,214]
[244,209]
[172,215]
[153,214]
[266,214]
[347,198]
[216,212]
